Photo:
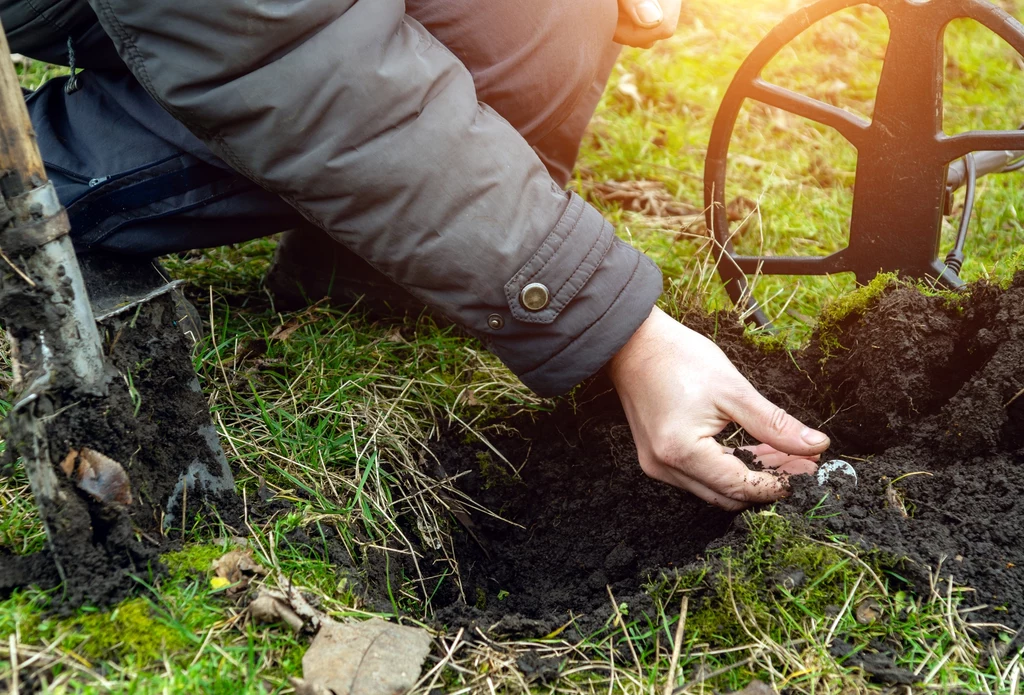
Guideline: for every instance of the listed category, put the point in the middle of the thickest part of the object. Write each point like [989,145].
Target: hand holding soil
[679,391]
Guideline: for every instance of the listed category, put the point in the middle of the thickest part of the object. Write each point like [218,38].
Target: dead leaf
[747,161]
[276,604]
[868,611]
[627,86]
[99,475]
[68,464]
[395,335]
[895,500]
[373,657]
[238,567]
[270,608]
[468,397]
[285,330]
[304,688]
[688,226]
[834,88]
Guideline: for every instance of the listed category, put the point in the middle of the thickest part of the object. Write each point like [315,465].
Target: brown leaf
[868,611]
[395,335]
[304,688]
[68,464]
[373,657]
[468,397]
[739,208]
[285,330]
[99,475]
[238,567]
[272,607]
[895,500]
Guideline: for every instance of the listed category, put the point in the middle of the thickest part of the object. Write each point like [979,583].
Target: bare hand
[679,391]
[642,23]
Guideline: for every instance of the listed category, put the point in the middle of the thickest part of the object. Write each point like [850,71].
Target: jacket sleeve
[359,118]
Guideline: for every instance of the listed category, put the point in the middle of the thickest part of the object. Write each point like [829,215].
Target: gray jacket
[369,127]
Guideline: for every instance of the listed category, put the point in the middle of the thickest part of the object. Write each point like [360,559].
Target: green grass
[335,419]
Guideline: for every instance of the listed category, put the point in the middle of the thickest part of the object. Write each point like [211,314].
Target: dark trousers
[136,181]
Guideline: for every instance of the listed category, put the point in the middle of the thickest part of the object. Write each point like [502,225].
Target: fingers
[769,457]
[642,23]
[646,14]
[769,423]
[722,479]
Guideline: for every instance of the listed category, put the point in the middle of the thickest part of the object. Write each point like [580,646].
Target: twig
[678,646]
[14,663]
[1015,397]
[31,282]
[622,625]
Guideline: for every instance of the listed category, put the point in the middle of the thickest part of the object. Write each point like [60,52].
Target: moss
[854,303]
[495,475]
[130,630]
[768,342]
[748,579]
[191,559]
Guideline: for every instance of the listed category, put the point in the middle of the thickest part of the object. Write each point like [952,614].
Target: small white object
[833,466]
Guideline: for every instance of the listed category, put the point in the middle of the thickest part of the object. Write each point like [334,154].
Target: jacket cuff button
[495,322]
[534,296]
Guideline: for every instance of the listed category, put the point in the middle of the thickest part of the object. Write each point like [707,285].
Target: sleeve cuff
[600,291]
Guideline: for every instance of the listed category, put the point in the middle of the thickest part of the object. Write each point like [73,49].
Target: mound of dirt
[947,491]
[923,394]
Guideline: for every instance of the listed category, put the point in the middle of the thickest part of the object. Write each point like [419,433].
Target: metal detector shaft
[987,162]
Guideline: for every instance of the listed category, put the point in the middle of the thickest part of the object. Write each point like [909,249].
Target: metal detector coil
[903,178]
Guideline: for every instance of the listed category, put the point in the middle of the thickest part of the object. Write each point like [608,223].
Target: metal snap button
[495,322]
[534,296]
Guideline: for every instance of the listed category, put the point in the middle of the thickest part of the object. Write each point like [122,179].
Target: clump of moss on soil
[193,558]
[770,563]
[846,307]
[128,631]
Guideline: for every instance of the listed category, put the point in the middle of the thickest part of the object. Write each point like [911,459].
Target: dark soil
[587,518]
[920,385]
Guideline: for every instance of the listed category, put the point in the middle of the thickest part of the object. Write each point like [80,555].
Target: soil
[923,398]
[586,518]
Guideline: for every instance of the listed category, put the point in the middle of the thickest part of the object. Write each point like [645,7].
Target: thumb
[772,425]
[646,13]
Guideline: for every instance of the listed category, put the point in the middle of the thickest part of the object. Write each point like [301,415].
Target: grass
[335,418]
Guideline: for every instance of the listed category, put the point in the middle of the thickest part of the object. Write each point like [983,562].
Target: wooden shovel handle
[21,166]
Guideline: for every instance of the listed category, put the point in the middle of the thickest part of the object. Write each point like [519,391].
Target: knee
[532,61]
